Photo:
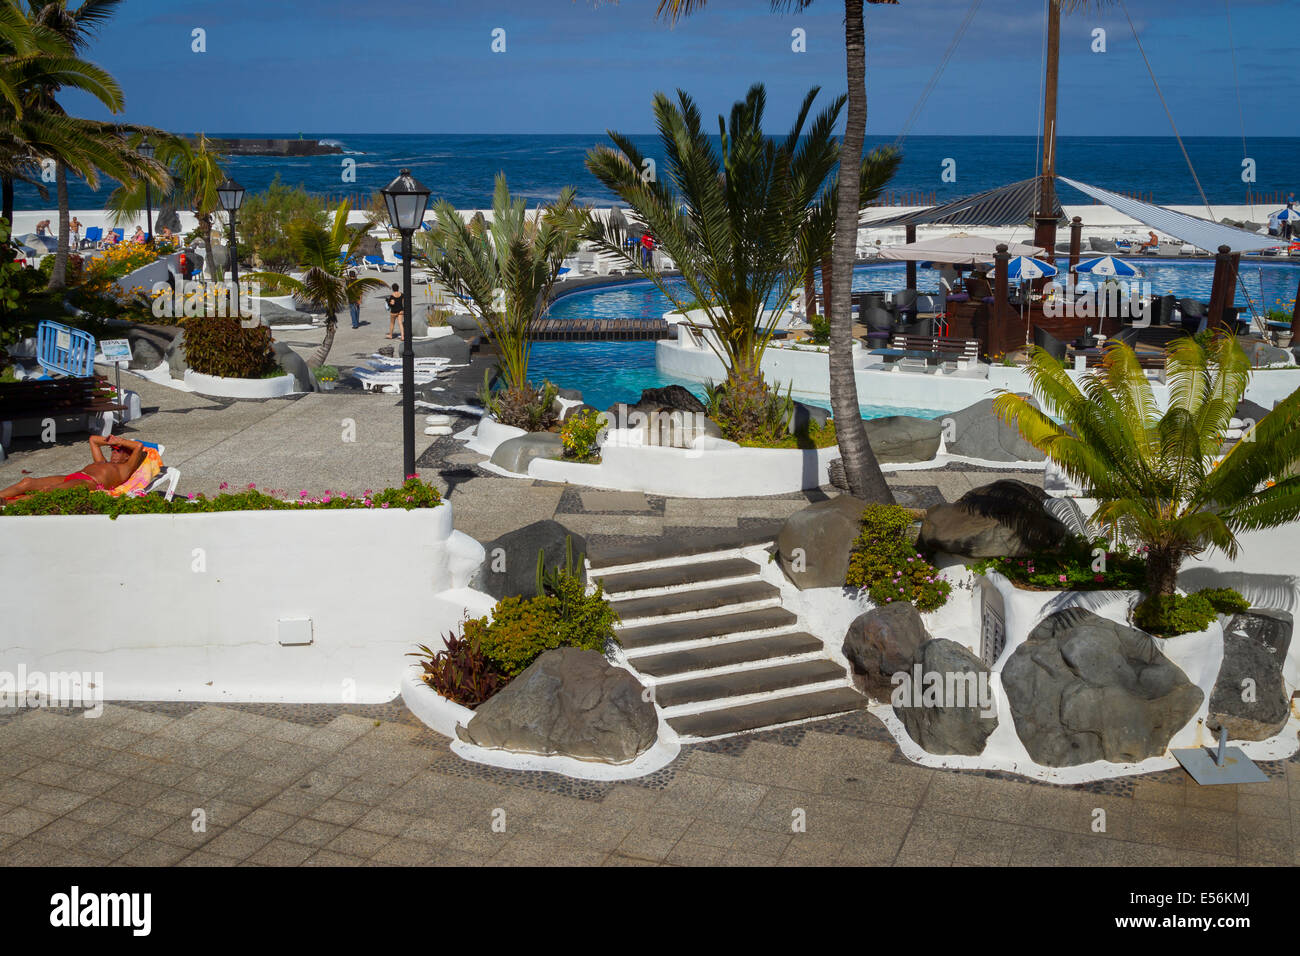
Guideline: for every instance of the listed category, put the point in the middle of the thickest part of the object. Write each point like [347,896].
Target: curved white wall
[185,607]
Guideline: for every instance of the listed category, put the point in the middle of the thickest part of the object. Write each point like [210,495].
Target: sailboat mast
[1045,223]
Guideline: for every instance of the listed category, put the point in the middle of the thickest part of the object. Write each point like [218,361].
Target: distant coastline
[276,147]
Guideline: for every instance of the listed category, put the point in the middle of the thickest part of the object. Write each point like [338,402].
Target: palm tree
[504,272]
[737,225]
[861,469]
[326,255]
[1160,479]
[195,173]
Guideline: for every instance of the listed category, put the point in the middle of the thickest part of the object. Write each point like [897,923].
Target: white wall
[185,607]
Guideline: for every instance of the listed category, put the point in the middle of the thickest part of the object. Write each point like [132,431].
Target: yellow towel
[149,469]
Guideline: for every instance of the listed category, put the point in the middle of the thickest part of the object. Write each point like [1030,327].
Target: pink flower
[191,496]
[223,486]
[302,494]
[251,486]
[384,505]
[1099,577]
[1061,578]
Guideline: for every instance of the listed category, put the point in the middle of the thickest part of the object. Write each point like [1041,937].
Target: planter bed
[275,387]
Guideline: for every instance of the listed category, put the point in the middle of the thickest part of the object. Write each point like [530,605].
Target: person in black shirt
[396,306]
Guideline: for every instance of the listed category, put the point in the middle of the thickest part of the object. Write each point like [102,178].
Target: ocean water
[461,168]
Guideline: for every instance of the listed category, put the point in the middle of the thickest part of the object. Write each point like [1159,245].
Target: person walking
[396,309]
[354,307]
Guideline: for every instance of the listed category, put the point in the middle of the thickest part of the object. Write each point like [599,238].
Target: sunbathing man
[100,475]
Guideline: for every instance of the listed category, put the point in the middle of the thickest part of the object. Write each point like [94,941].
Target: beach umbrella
[1024,268]
[1283,215]
[1107,266]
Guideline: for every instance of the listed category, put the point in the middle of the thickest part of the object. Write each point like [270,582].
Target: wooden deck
[591,330]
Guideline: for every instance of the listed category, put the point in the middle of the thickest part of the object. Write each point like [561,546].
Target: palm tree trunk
[323,350]
[810,295]
[59,274]
[7,199]
[1162,571]
[861,469]
[828,278]
[205,229]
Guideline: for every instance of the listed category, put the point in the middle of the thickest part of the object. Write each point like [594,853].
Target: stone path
[336,784]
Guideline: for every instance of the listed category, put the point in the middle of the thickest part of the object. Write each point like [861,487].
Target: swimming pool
[611,372]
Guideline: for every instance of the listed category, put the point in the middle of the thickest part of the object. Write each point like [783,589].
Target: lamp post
[407,199]
[147,149]
[231,196]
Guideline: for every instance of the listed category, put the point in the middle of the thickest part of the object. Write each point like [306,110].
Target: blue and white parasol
[1024,268]
[1107,266]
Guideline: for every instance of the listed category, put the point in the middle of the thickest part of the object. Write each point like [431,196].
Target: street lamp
[147,149]
[231,196]
[407,200]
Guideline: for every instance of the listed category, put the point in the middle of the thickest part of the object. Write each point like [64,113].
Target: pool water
[610,372]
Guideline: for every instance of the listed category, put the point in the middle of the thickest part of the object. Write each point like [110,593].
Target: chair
[92,237]
[379,263]
[374,378]
[1049,343]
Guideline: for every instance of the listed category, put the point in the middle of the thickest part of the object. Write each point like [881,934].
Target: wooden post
[911,264]
[998,320]
[1076,243]
[1045,221]
[1221,291]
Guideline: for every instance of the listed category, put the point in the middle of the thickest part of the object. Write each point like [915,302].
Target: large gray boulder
[1005,518]
[976,432]
[510,566]
[671,397]
[568,703]
[462,322]
[899,438]
[1249,695]
[814,543]
[1084,688]
[167,218]
[149,344]
[952,711]
[271,313]
[445,346]
[882,643]
[293,363]
[802,416]
[515,454]
[1261,353]
[177,363]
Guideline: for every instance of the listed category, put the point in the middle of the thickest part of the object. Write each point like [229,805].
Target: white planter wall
[185,607]
[276,387]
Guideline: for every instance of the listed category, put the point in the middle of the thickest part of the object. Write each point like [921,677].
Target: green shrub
[814,436]
[886,564]
[327,373]
[522,629]
[1169,615]
[223,347]
[264,221]
[821,330]
[580,433]
[1070,568]
[82,500]
[749,411]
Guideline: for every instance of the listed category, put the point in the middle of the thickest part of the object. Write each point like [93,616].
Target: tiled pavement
[308,785]
[323,784]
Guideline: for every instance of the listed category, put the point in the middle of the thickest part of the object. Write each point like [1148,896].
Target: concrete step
[702,628]
[668,548]
[727,654]
[767,713]
[691,601]
[677,575]
[755,680]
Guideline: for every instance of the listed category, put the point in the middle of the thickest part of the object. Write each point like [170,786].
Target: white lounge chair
[374,378]
[430,362]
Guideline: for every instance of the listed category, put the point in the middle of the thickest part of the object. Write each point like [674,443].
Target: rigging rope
[1168,113]
[934,79]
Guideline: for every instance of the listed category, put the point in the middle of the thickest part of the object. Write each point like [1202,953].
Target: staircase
[722,654]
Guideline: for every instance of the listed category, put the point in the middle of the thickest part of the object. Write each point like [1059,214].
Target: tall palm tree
[504,272]
[1160,479]
[327,256]
[861,469]
[195,172]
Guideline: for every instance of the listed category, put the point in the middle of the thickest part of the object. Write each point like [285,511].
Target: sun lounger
[378,263]
[376,377]
[421,361]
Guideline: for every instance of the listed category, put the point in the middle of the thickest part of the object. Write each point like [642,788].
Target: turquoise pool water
[611,372]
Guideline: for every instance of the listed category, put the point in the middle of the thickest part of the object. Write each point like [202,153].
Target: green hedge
[85,501]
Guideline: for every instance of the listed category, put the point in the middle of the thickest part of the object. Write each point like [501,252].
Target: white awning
[956,249]
[1201,233]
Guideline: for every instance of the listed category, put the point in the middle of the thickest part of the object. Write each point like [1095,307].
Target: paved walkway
[327,784]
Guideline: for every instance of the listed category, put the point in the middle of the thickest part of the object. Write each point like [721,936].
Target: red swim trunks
[82,476]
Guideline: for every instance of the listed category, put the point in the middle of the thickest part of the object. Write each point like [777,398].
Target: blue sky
[425,66]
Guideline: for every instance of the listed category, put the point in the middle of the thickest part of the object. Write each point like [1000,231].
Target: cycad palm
[325,255]
[1159,478]
[504,271]
[736,224]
